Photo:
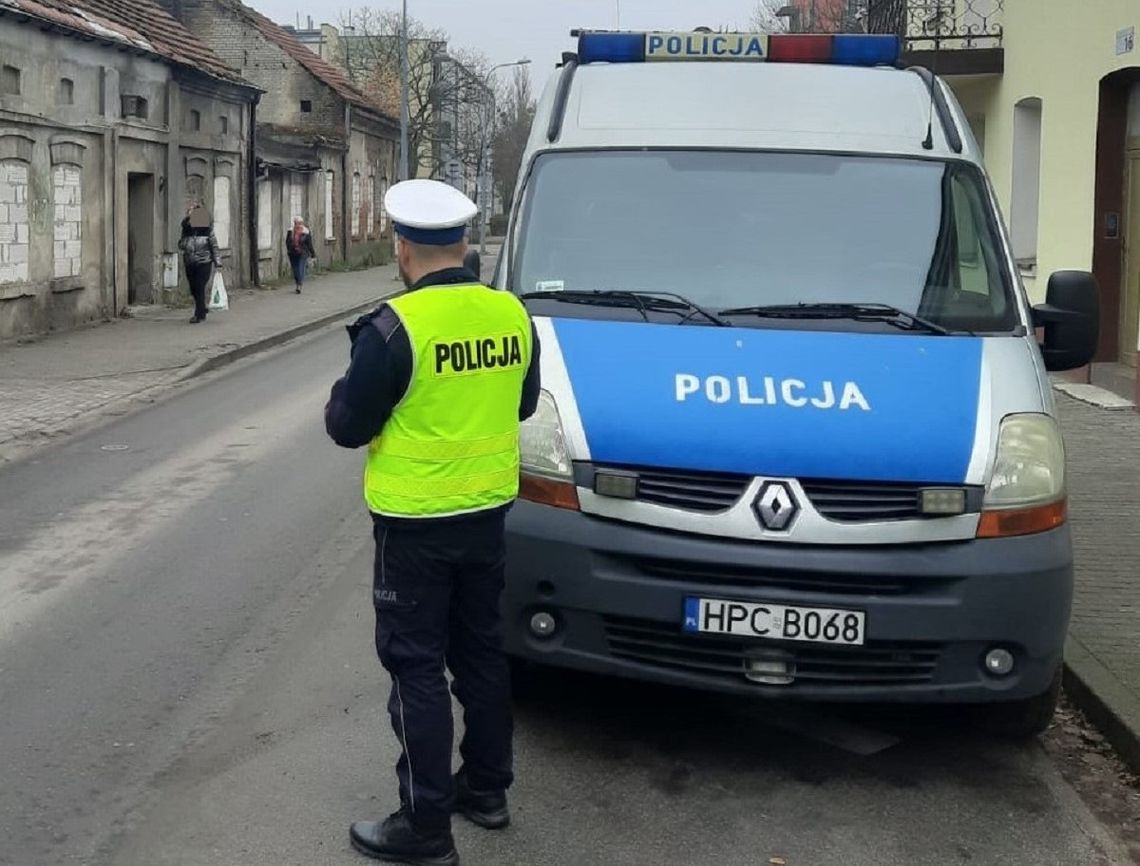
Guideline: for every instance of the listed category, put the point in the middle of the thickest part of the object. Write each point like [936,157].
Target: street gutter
[214,362]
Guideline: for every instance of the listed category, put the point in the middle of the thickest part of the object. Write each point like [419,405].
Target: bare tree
[764,18]
[514,121]
[441,87]
[465,99]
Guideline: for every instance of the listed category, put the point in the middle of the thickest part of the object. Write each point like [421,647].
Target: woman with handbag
[299,248]
[199,256]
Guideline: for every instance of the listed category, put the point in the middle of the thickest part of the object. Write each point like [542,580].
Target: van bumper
[933,611]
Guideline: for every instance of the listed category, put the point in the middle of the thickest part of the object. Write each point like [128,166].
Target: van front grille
[716,574]
[842,501]
[874,664]
[856,502]
[691,491]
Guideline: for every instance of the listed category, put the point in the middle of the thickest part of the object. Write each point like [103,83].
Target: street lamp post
[405,170]
[484,168]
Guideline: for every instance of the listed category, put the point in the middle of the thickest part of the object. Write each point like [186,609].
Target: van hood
[796,404]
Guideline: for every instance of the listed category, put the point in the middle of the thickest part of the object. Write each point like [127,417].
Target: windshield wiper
[857,312]
[642,301]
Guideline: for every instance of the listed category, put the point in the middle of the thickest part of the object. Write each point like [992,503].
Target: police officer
[439,379]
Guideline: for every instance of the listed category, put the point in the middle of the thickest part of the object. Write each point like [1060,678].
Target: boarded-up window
[371,203]
[67,189]
[296,200]
[383,210]
[265,215]
[356,205]
[222,211]
[330,178]
[10,80]
[15,234]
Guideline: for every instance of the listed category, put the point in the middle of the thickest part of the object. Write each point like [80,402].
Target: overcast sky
[506,30]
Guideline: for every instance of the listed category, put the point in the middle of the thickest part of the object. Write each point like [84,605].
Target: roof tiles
[137,23]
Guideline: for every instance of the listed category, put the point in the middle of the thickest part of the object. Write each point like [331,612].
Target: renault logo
[776,506]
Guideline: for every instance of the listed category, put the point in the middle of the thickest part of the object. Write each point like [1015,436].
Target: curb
[1099,694]
[214,362]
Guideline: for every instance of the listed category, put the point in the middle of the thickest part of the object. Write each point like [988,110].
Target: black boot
[396,840]
[488,809]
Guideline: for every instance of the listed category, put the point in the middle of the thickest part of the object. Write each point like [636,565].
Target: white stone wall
[67,186]
[15,234]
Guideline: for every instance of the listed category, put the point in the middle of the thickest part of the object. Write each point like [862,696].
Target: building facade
[113,120]
[1052,90]
[324,151]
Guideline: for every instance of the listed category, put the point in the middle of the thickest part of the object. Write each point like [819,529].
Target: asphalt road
[187,677]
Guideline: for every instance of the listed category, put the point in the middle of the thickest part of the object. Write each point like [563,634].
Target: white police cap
[429,211]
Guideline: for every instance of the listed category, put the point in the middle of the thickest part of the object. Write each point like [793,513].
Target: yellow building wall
[1058,51]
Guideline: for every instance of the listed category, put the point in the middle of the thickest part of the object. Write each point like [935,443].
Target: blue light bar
[865,50]
[611,48]
[844,49]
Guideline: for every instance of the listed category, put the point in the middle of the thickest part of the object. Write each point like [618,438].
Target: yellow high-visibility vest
[451,445]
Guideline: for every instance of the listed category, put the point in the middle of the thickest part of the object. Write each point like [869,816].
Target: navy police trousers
[436,590]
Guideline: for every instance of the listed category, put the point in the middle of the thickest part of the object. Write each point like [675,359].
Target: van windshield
[732,229]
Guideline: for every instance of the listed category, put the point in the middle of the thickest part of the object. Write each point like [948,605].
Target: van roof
[763,106]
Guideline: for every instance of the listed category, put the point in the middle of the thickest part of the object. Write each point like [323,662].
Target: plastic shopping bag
[219,300]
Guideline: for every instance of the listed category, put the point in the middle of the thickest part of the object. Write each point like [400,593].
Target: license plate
[774,621]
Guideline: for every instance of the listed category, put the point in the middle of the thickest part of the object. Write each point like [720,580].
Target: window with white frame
[1026,181]
[67,202]
[15,231]
[330,178]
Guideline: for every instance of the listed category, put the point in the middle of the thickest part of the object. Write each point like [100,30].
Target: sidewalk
[1103,653]
[57,382]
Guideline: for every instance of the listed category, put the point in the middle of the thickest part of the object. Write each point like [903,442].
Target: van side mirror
[1071,319]
[472,262]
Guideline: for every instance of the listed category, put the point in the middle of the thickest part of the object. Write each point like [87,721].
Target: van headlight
[542,445]
[1026,492]
[546,474]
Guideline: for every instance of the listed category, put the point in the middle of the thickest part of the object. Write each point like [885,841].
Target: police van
[797,437]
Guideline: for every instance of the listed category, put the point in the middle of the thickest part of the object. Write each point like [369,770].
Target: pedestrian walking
[199,256]
[439,379]
[299,248]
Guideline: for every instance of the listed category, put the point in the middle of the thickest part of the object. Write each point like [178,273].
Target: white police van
[796,437]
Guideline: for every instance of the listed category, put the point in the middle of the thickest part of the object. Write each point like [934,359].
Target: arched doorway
[1116,229]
